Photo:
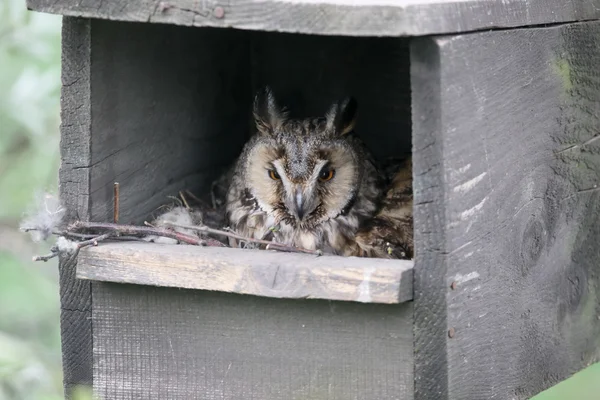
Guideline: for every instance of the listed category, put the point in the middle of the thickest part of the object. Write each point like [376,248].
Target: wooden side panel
[74,184]
[309,73]
[160,343]
[429,272]
[507,210]
[334,17]
[170,108]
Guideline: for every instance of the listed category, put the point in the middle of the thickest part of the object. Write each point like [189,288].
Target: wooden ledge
[255,272]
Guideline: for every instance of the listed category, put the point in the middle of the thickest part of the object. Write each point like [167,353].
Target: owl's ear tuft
[341,117]
[268,116]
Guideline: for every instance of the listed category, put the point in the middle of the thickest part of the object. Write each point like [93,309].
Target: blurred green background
[30,358]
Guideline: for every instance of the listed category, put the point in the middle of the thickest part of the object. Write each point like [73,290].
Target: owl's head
[303,171]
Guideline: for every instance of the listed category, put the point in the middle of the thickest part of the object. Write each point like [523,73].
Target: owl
[308,183]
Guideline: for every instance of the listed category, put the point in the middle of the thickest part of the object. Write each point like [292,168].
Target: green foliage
[29,118]
[29,103]
[582,386]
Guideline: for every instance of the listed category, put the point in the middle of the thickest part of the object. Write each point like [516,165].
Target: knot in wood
[532,243]
[576,287]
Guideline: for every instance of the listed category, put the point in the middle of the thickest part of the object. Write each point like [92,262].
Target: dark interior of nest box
[171,105]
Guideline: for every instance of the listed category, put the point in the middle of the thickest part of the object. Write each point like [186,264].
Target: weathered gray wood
[335,17]
[170,109]
[75,295]
[309,73]
[161,343]
[507,163]
[430,319]
[124,121]
[255,272]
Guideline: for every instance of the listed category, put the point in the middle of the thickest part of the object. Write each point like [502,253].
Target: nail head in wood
[451,333]
[219,12]
[163,6]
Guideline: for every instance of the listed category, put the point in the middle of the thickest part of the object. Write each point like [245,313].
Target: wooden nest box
[499,102]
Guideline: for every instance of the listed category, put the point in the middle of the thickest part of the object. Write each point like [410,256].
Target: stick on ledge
[255,272]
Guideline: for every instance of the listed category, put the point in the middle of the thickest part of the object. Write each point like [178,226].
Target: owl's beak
[300,205]
[300,202]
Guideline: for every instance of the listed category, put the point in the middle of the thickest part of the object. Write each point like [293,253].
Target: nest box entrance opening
[171,108]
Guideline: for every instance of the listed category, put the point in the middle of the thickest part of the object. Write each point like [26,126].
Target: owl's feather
[389,234]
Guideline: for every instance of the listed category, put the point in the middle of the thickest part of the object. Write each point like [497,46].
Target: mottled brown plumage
[310,183]
[389,234]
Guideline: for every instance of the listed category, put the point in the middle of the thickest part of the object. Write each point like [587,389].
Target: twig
[94,241]
[128,238]
[63,233]
[210,242]
[132,230]
[270,245]
[83,236]
[194,197]
[176,199]
[116,203]
[185,203]
[292,249]
[55,251]
[46,257]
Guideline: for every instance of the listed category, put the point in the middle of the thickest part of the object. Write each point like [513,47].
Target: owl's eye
[326,174]
[274,175]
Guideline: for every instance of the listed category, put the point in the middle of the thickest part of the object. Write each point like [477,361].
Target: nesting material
[176,219]
[44,217]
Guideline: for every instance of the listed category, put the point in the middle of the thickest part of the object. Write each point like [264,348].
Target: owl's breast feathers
[371,226]
[245,215]
[335,235]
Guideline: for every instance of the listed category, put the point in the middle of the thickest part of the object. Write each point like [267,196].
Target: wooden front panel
[163,343]
[75,294]
[507,210]
[161,108]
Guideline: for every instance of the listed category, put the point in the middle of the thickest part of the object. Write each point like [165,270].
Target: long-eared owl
[308,183]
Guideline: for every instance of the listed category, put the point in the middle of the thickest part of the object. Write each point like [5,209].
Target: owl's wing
[390,233]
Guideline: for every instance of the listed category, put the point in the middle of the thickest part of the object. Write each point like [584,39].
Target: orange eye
[274,175]
[326,174]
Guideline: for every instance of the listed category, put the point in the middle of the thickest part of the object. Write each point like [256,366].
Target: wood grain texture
[255,272]
[507,161]
[162,343]
[334,17]
[308,73]
[149,128]
[430,319]
[74,184]
[170,107]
